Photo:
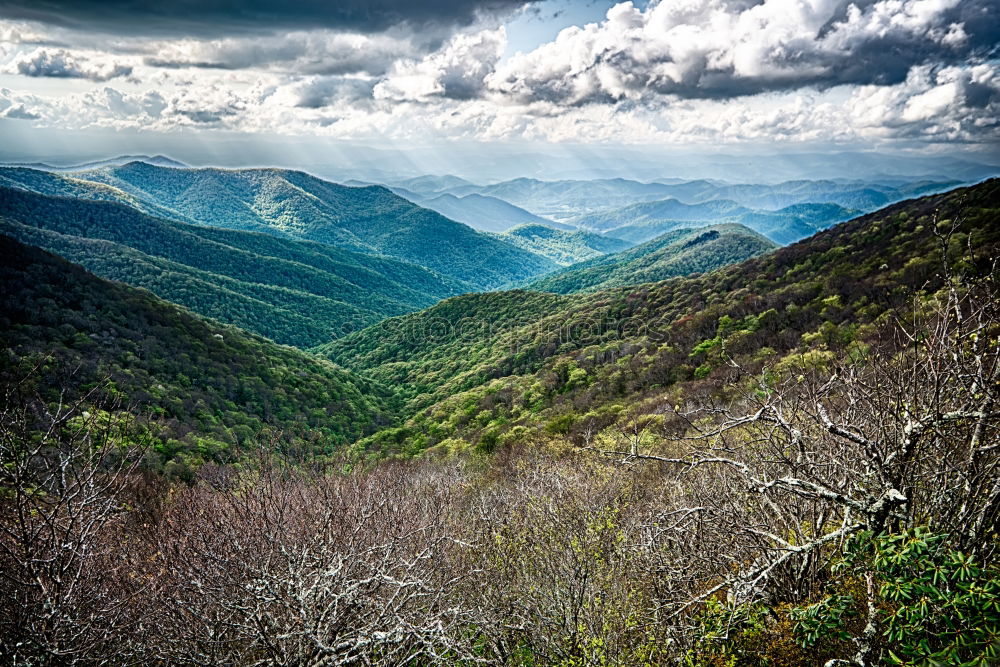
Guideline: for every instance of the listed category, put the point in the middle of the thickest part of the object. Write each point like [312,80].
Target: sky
[410,86]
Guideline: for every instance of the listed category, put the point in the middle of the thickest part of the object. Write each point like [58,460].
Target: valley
[500,333]
[262,362]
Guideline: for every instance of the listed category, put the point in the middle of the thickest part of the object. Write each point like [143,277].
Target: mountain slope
[201,391]
[563,247]
[481,212]
[295,292]
[642,222]
[68,185]
[582,362]
[668,209]
[296,205]
[675,253]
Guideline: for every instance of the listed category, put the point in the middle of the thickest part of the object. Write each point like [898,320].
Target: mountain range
[523,366]
[157,160]
[295,205]
[470,370]
[641,222]
[295,292]
[573,201]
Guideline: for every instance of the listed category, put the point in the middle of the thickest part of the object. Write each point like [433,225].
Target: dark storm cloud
[219,17]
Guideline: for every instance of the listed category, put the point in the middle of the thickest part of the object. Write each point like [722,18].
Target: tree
[902,436]
[64,553]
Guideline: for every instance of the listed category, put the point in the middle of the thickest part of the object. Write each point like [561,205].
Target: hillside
[68,185]
[294,292]
[202,391]
[677,253]
[578,363]
[481,212]
[296,205]
[642,222]
[563,247]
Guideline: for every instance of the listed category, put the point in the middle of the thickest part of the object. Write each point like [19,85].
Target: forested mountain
[158,160]
[667,209]
[567,199]
[201,391]
[481,212]
[676,253]
[295,292]
[296,205]
[68,185]
[642,222]
[563,247]
[576,363]
[705,470]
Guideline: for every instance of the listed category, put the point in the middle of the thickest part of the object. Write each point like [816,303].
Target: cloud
[673,72]
[322,91]
[955,104]
[303,52]
[63,64]
[729,48]
[951,104]
[20,113]
[457,71]
[220,17]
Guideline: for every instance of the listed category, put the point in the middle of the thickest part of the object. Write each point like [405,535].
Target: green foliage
[202,389]
[563,247]
[824,620]
[934,604]
[294,292]
[676,253]
[477,358]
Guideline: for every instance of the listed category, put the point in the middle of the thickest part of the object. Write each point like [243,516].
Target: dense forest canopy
[293,204]
[202,390]
[701,450]
[295,292]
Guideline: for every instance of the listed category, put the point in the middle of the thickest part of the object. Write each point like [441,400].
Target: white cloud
[61,63]
[718,48]
[457,71]
[301,52]
[684,71]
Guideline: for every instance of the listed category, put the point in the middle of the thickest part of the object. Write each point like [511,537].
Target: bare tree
[64,578]
[280,569]
[770,482]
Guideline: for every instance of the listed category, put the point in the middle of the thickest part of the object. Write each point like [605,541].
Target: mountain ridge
[295,292]
[295,204]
